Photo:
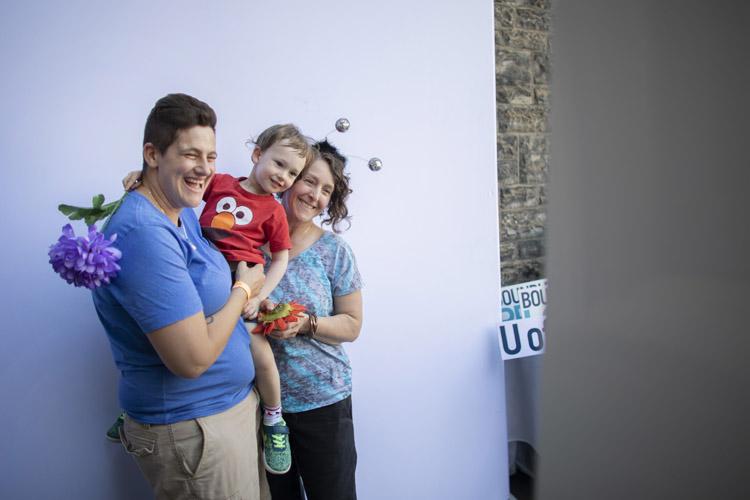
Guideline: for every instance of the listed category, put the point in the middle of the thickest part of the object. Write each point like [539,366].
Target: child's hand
[132,180]
[267,305]
[250,311]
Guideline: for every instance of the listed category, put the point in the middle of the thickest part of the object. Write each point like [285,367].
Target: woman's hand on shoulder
[132,180]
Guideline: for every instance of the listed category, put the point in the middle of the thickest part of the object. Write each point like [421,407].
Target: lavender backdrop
[415,79]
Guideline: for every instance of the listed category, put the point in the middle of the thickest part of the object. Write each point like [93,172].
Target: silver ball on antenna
[375,164]
[342,125]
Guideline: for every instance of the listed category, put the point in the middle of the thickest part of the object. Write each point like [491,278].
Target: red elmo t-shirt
[239,222]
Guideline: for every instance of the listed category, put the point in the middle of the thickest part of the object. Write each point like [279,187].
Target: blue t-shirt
[315,374]
[168,273]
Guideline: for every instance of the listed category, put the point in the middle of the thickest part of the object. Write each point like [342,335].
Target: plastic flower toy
[278,318]
[89,261]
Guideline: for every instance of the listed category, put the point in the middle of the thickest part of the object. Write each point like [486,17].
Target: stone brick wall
[522,79]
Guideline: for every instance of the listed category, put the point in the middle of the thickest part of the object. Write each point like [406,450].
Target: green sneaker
[277,455]
[113,433]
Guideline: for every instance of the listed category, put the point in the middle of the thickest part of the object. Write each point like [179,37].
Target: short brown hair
[289,134]
[172,113]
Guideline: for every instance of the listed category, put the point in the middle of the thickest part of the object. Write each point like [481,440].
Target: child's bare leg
[266,373]
[277,456]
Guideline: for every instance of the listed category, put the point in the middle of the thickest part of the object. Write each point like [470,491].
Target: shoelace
[277,441]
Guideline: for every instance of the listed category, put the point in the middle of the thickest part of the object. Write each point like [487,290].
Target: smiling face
[274,169]
[184,169]
[309,196]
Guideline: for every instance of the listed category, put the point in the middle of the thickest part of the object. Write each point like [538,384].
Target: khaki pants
[214,457]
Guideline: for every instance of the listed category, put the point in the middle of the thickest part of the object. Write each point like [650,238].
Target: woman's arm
[190,346]
[343,326]
[346,322]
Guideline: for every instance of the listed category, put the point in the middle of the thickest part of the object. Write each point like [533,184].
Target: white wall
[646,376]
[415,79]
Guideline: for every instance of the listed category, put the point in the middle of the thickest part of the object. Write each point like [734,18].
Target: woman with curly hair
[314,368]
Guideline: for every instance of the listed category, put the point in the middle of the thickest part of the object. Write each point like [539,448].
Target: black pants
[323,455]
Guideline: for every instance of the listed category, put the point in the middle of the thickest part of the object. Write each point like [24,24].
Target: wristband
[243,285]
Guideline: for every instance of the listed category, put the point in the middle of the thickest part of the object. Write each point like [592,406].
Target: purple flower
[85,261]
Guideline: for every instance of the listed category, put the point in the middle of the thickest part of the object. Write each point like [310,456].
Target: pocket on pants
[190,442]
[138,442]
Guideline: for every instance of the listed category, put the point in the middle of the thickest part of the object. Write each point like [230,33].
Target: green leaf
[98,200]
[109,208]
[90,215]
[96,215]
[77,214]
[67,209]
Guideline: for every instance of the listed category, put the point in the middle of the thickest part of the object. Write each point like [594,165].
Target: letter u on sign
[521,338]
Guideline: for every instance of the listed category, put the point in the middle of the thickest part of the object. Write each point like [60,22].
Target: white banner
[521,331]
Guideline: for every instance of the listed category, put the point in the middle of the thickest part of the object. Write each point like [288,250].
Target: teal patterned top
[314,374]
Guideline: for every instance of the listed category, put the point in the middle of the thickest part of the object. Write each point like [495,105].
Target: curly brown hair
[337,210]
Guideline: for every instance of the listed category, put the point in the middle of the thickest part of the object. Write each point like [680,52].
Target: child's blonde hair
[289,134]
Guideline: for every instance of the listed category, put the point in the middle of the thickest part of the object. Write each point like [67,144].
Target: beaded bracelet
[313,325]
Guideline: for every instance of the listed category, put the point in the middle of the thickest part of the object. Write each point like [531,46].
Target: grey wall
[522,94]
[645,381]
